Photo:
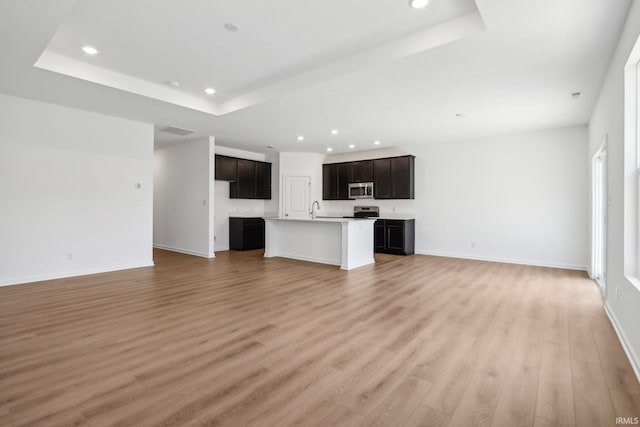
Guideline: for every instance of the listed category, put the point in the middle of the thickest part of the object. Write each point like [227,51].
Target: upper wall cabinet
[249,179]
[393,178]
[226,168]
[335,181]
[263,180]
[362,171]
[244,187]
[343,177]
[382,178]
[329,182]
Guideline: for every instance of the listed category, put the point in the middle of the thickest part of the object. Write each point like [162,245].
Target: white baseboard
[303,258]
[354,265]
[505,260]
[66,274]
[184,251]
[631,355]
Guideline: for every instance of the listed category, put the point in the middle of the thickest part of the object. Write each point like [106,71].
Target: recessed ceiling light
[334,131]
[575,95]
[418,4]
[90,50]
[210,91]
[300,137]
[231,27]
[352,146]
[329,149]
[461,115]
[376,142]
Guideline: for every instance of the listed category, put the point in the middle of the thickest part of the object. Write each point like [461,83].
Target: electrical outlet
[617,293]
[473,244]
[69,256]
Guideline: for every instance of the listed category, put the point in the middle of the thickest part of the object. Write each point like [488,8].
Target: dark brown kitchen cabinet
[394,236]
[335,181]
[382,179]
[226,168]
[329,182]
[378,236]
[263,180]
[249,179]
[402,177]
[362,171]
[244,186]
[343,175]
[246,233]
[394,178]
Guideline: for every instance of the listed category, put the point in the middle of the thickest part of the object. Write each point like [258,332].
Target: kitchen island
[346,242]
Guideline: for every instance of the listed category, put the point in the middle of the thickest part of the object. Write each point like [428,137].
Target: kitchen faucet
[313,212]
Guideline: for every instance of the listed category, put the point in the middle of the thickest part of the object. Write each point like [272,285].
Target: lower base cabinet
[395,236]
[246,233]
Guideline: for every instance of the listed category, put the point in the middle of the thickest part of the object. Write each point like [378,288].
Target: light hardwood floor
[243,340]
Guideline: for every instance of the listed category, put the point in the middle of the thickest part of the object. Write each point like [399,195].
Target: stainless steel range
[365,212]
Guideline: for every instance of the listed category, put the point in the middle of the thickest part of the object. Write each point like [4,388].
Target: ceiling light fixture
[376,143]
[334,131]
[575,95]
[172,83]
[418,4]
[461,115]
[352,146]
[210,91]
[329,149]
[300,137]
[90,50]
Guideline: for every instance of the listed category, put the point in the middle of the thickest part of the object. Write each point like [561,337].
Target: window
[598,216]
[632,166]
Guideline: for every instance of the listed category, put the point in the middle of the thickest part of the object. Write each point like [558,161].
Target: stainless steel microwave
[361,190]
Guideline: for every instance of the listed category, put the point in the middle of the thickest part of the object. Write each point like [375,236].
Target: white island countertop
[385,215]
[321,219]
[347,242]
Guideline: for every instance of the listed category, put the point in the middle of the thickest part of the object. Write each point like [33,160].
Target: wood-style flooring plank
[424,416]
[517,400]
[555,388]
[241,340]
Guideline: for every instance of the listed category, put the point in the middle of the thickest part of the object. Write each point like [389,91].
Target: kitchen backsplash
[401,208]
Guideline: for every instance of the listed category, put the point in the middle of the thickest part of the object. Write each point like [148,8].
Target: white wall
[226,207]
[69,205]
[622,297]
[517,198]
[520,198]
[183,197]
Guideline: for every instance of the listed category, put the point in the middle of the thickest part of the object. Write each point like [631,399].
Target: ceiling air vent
[175,131]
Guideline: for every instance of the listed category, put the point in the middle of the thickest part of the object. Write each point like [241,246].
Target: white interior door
[296,196]
[599,212]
